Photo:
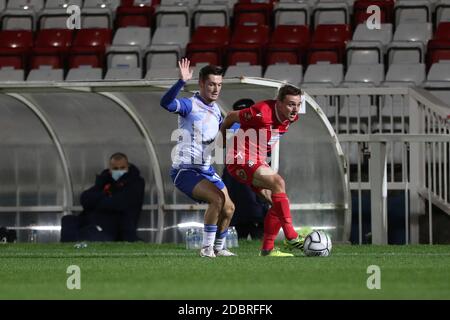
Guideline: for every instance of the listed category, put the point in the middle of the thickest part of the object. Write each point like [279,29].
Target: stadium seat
[134,16]
[60,39]
[89,47]
[248,44]
[437,50]
[84,73]
[162,73]
[47,56]
[123,57]
[17,19]
[172,36]
[288,44]
[364,75]
[364,52]
[290,73]
[256,13]
[172,16]
[442,31]
[360,14]
[62,4]
[208,45]
[442,11]
[405,52]
[439,72]
[112,5]
[53,18]
[132,36]
[243,70]
[325,13]
[413,32]
[340,33]
[15,46]
[417,11]
[382,35]
[405,75]
[182,3]
[162,56]
[33,5]
[123,74]
[291,13]
[2,5]
[323,75]
[204,53]
[228,3]
[96,18]
[11,74]
[46,74]
[330,55]
[210,15]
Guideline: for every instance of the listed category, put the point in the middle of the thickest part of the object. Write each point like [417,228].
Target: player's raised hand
[185,71]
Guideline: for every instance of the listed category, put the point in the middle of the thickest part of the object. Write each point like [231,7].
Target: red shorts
[244,173]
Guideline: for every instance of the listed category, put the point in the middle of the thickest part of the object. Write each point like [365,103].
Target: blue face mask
[116,174]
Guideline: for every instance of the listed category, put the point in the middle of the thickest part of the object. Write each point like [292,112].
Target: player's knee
[229,210]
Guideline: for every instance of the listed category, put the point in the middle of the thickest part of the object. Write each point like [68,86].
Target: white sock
[220,240]
[209,234]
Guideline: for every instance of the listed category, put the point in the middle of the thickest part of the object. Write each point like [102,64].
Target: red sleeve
[252,117]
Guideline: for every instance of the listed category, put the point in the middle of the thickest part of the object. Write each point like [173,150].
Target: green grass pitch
[169,271]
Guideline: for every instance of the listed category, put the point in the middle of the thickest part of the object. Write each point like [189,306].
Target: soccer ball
[317,243]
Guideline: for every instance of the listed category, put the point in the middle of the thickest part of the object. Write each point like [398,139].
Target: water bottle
[189,239]
[229,243]
[32,236]
[197,239]
[234,237]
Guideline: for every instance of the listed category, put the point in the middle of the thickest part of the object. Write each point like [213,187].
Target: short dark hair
[118,156]
[288,90]
[210,69]
[242,104]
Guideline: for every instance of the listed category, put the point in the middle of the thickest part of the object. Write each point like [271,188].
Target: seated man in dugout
[111,208]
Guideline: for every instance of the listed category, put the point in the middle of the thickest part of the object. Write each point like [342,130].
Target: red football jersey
[260,129]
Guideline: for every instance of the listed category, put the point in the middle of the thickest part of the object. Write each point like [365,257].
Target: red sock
[272,226]
[280,204]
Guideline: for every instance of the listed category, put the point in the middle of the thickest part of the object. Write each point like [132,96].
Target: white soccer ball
[317,243]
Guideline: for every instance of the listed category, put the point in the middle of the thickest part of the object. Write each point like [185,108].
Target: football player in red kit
[261,126]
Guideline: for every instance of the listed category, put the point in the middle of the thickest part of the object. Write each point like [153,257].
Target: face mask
[116,174]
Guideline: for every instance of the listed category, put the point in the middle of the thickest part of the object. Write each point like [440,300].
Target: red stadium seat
[196,54]
[89,47]
[93,38]
[257,35]
[316,56]
[60,39]
[15,46]
[134,16]
[211,35]
[292,35]
[332,33]
[16,39]
[437,50]
[47,56]
[442,31]
[248,44]
[276,55]
[208,45]
[360,14]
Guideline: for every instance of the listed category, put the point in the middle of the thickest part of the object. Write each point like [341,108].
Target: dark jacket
[115,206]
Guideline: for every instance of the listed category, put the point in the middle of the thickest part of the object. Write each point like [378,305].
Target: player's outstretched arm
[169,100]
[232,117]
